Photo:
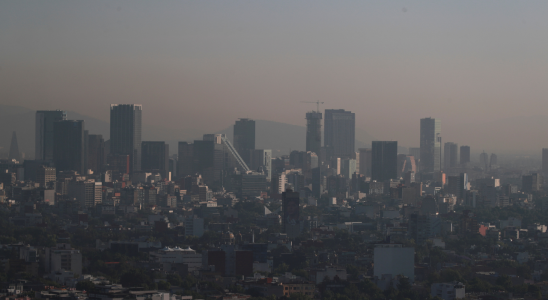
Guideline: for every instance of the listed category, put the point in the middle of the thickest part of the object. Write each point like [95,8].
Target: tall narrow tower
[430,142]
[14,148]
[314,131]
[340,136]
[244,138]
[125,132]
[43,141]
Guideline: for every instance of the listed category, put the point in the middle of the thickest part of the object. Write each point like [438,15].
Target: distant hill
[280,137]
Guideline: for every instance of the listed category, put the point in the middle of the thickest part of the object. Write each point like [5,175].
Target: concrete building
[194,226]
[178,255]
[45,175]
[261,159]
[63,257]
[394,259]
[244,138]
[531,183]
[68,145]
[95,153]
[87,193]
[314,132]
[430,145]
[450,155]
[384,160]
[185,159]
[365,161]
[43,142]
[125,132]
[464,155]
[155,157]
[448,291]
[339,133]
[348,167]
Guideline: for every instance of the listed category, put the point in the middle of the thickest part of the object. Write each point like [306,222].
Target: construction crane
[317,104]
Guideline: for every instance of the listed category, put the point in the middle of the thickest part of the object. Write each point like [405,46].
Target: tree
[174,279]
[85,285]
[162,285]
[134,278]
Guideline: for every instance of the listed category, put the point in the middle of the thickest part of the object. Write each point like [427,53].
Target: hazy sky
[206,63]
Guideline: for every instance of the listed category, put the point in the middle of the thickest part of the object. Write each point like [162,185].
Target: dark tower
[339,133]
[14,148]
[384,160]
[244,138]
[464,154]
[314,132]
[68,145]
[43,141]
[125,132]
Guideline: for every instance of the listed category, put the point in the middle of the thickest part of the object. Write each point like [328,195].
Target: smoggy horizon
[477,66]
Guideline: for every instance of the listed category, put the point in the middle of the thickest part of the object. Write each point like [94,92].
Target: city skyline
[464,74]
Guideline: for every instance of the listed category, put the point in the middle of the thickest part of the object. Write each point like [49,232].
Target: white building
[395,260]
[194,226]
[448,291]
[178,255]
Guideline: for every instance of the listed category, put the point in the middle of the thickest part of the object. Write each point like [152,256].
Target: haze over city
[480,67]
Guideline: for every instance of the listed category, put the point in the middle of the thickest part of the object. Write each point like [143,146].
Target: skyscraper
[545,160]
[430,143]
[155,157]
[125,132]
[339,134]
[43,140]
[244,138]
[96,151]
[314,132]
[365,161]
[464,155]
[450,155]
[68,145]
[14,148]
[185,159]
[384,160]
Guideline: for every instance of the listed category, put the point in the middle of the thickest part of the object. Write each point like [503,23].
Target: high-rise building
[531,183]
[291,213]
[96,153]
[450,155]
[339,133]
[365,161]
[348,167]
[430,142]
[68,145]
[185,159]
[43,141]
[545,160]
[314,131]
[493,160]
[45,175]
[484,160]
[464,155]
[155,157]
[384,160]
[415,152]
[14,148]
[125,132]
[262,159]
[244,138]
[87,193]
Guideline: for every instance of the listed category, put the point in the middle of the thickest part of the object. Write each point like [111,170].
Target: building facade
[339,133]
[384,160]
[68,146]
[244,138]
[125,132]
[43,140]
[430,144]
[314,132]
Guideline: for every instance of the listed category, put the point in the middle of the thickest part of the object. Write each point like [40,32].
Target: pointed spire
[14,148]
